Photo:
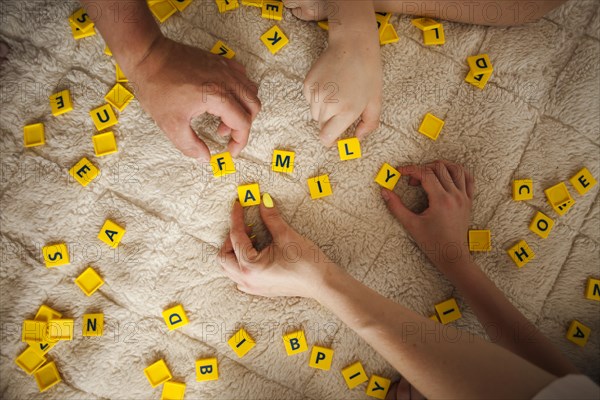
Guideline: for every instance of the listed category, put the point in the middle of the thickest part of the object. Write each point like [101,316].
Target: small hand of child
[176,83]
[441,230]
[290,266]
[308,10]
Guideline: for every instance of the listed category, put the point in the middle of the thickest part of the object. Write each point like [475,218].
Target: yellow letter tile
[61,329]
[541,225]
[80,19]
[60,102]
[111,233]
[522,189]
[84,172]
[283,161]
[104,144]
[319,186]
[158,373]
[120,76]
[388,176]
[274,39]
[425,24]
[349,149]
[295,342]
[578,333]
[93,325]
[34,331]
[227,5]
[221,49]
[272,9]
[119,97]
[33,135]
[46,313]
[222,164]
[448,311]
[592,291]
[354,375]
[521,254]
[89,281]
[173,391]
[241,342]
[56,255]
[29,360]
[104,117]
[207,369]
[480,64]
[175,317]
[435,36]
[559,198]
[388,35]
[321,358]
[162,10]
[47,376]
[181,4]
[583,181]
[431,126]
[480,240]
[249,195]
[378,387]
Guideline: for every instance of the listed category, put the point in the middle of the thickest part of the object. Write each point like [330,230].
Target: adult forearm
[344,15]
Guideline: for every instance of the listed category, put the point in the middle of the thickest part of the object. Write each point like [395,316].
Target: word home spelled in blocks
[378,387]
[207,369]
[592,291]
[241,342]
[61,329]
[29,360]
[354,375]
[173,391]
[175,317]
[578,333]
[541,225]
[47,376]
[34,331]
[221,49]
[319,187]
[583,181]
[222,164]
[283,161]
[448,311]
[388,176]
[522,189]
[89,281]
[321,358]
[559,198]
[431,126]
[227,5]
[480,240]
[349,149]
[104,117]
[162,9]
[274,39]
[249,195]
[295,343]
[104,144]
[119,97]
[521,253]
[56,255]
[158,373]
[33,135]
[60,102]
[84,172]
[111,233]
[93,325]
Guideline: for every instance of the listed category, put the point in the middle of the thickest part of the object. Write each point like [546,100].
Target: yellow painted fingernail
[268,201]
[252,237]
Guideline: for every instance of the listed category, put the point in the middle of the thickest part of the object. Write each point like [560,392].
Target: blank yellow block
[283,161]
[47,376]
[227,5]
[559,198]
[175,317]
[93,325]
[521,253]
[388,35]
[104,144]
[46,313]
[592,290]
[157,373]
[29,360]
[578,333]
[221,49]
[241,343]
[319,187]
[111,233]
[583,181]
[274,39]
[107,51]
[60,102]
[354,375]
[434,37]
[272,9]
[33,135]
[34,331]
[448,311]
[173,391]
[207,369]
[388,176]
[480,240]
[431,126]
[222,164]
[541,225]
[378,387]
[104,117]
[56,255]
[253,3]
[249,195]
[425,24]
[321,358]
[162,10]
[349,149]
[89,281]
[119,75]
[119,97]
[61,329]
[522,189]
[84,172]
[295,343]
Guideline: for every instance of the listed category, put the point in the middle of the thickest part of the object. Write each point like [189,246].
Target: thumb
[406,217]
[369,120]
[271,217]
[188,142]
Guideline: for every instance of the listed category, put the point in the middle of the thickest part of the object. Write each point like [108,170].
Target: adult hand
[308,10]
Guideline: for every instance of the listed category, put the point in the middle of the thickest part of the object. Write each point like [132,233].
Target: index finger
[426,176]
[232,114]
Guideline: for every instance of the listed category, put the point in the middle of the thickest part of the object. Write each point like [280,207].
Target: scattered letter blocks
[222,164]
[241,342]
[272,9]
[111,233]
[578,333]
[431,126]
[104,143]
[47,376]
[104,117]
[320,358]
[378,387]
[559,198]
[274,39]
[521,254]
[583,181]
[221,49]
[592,291]
[175,317]
[354,375]
[349,149]
[249,195]
[227,5]
[158,373]
[283,161]
[30,360]
[61,329]
[60,103]
[33,135]
[388,176]
[480,70]
[295,343]
[541,225]
[93,325]
[119,97]
[84,172]
[522,189]
[56,255]
[319,186]
[89,281]
[207,369]
[448,311]
[173,391]
[480,240]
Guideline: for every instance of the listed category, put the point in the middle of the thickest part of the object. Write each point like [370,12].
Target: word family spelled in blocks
[47,376]
[158,373]
[321,358]
[274,39]
[61,329]
[541,225]
[522,189]
[84,172]
[111,233]
[29,360]
[354,375]
[104,144]
[60,102]
[104,117]
[388,35]
[378,387]
[559,198]
[181,4]
[592,290]
[388,176]
[480,240]
[241,342]
[162,9]
[175,317]
[578,333]
[120,76]
[295,343]
[56,255]
[173,391]
[222,164]
[33,135]
[448,311]
[319,187]
[207,369]
[272,9]
[431,126]
[249,195]
[89,281]
[221,49]
[583,181]
[34,331]
[521,254]
[119,97]
[283,161]
[93,325]
[349,149]
[80,19]
[227,5]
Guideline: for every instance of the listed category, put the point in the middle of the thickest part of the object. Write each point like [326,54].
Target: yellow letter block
[120,76]
[378,387]
[84,172]
[388,35]
[253,3]
[221,49]
[104,117]
[241,342]
[319,186]
[119,97]
[181,4]
[583,181]
[111,233]
[522,189]
[480,240]
[321,358]
[61,329]
[207,369]
[521,254]
[47,376]
[592,291]
[162,9]
[480,64]
[46,313]
[158,373]
[541,225]
[175,317]
[173,391]
[227,5]
[89,281]
[93,325]
[448,311]
[60,102]
[80,19]
[431,126]
[56,255]
[34,331]
[578,333]
[272,9]
[434,37]
[33,135]
[559,198]
[274,39]
[354,375]
[388,176]
[425,24]
[349,149]
[295,343]
[29,360]
[283,161]
[79,34]
[249,195]
[104,143]
[478,81]
[222,164]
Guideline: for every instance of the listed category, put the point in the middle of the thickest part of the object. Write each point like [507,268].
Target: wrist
[331,277]
[150,59]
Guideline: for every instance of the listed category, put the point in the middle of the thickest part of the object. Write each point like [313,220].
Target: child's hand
[441,230]
[290,266]
[176,83]
[308,10]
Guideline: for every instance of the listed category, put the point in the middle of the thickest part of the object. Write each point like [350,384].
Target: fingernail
[268,201]
[385,194]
